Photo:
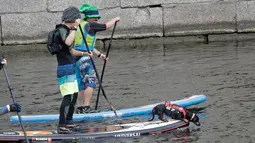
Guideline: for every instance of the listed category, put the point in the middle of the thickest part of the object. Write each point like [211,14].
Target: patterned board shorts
[85,73]
[67,79]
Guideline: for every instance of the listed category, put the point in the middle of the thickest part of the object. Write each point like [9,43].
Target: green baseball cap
[89,11]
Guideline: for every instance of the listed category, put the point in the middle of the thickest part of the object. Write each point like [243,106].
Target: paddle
[107,53]
[14,101]
[94,66]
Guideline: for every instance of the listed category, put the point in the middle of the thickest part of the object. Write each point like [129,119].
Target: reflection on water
[143,75]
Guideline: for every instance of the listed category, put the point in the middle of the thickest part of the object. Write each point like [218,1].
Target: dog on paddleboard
[175,112]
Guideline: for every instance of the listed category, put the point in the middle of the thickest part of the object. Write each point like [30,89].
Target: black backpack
[52,45]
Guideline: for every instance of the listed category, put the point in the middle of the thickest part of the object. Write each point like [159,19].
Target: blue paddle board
[126,112]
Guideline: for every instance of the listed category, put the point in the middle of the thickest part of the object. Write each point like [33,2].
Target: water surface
[141,75]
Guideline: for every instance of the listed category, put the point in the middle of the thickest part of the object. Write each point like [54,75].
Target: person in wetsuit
[66,75]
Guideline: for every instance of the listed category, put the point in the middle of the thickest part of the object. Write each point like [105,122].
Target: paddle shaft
[14,101]
[94,66]
[102,75]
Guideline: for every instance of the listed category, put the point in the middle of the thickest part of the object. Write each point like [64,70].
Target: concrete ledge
[28,28]
[146,42]
[245,16]
[100,45]
[12,49]
[60,5]
[153,41]
[231,37]
[18,6]
[144,3]
[199,18]
[116,44]
[135,22]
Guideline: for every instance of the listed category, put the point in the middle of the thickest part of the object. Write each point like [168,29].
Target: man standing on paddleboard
[85,72]
[65,70]
[12,107]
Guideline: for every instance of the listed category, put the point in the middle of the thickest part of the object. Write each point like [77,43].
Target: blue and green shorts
[67,79]
[85,73]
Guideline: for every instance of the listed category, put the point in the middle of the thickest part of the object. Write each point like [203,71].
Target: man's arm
[4,110]
[10,108]
[111,22]
[2,62]
[94,27]
[79,53]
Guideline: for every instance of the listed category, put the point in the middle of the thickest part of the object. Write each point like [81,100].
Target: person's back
[65,70]
[64,56]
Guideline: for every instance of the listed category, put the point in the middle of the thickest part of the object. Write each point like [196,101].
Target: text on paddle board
[128,135]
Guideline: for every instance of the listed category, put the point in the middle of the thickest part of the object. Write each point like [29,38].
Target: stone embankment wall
[29,21]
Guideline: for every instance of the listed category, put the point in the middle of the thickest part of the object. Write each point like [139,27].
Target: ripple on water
[136,76]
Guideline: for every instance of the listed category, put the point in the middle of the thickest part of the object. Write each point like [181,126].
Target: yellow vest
[79,42]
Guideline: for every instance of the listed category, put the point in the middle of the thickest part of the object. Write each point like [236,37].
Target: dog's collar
[193,115]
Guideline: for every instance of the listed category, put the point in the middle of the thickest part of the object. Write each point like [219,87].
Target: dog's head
[195,120]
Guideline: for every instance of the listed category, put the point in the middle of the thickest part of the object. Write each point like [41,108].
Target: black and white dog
[175,112]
